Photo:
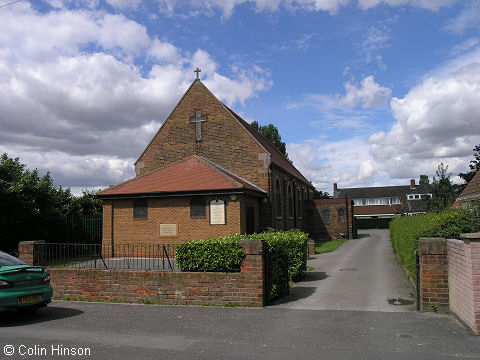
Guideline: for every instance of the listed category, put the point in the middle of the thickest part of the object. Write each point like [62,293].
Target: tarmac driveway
[360,275]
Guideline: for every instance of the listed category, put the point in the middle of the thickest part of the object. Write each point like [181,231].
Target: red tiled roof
[194,173]
[277,157]
[472,190]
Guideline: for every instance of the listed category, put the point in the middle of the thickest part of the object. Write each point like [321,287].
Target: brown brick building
[331,219]
[205,173]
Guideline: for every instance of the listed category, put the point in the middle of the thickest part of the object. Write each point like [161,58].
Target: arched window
[299,203]
[326,216]
[341,216]
[290,201]
[278,198]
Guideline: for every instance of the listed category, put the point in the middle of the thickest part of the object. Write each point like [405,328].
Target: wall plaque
[217,212]
[168,230]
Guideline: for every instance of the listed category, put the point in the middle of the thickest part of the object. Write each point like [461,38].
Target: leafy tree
[443,191]
[31,206]
[88,203]
[474,166]
[424,180]
[319,194]
[270,132]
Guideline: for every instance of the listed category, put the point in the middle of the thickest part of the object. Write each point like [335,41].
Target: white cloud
[74,102]
[433,5]
[367,94]
[468,18]
[436,121]
[192,8]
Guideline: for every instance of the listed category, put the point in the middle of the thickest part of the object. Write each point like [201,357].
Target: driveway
[361,275]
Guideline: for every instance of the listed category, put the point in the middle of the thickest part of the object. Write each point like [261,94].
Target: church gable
[201,124]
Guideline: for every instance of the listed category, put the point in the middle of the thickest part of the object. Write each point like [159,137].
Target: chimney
[412,184]
[335,188]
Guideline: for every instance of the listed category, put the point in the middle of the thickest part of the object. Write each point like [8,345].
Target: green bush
[404,232]
[220,254]
[286,259]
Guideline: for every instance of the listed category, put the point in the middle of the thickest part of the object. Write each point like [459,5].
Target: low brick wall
[464,279]
[432,254]
[450,277]
[247,287]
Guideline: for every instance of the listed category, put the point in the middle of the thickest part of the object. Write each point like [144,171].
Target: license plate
[29,299]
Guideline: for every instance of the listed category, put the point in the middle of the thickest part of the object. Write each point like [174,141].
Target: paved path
[360,275]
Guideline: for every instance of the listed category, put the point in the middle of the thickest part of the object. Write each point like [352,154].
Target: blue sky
[364,92]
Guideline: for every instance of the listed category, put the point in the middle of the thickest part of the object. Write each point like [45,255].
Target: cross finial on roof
[197,71]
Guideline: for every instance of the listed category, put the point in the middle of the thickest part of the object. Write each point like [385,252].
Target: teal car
[23,287]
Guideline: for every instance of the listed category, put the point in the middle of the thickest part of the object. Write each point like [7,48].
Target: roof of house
[277,157]
[193,174]
[380,191]
[472,190]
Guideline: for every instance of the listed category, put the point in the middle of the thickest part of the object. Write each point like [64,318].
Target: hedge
[218,254]
[404,232]
[286,260]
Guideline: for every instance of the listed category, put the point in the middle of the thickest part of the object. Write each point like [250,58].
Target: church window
[278,198]
[299,203]
[197,208]
[290,201]
[140,209]
[326,216]
[341,215]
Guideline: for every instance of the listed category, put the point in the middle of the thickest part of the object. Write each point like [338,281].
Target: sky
[364,92]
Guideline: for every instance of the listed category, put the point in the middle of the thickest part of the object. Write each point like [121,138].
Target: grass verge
[328,246]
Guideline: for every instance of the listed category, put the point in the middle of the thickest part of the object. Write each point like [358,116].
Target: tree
[319,194]
[443,191]
[474,166]
[31,207]
[424,180]
[88,203]
[270,132]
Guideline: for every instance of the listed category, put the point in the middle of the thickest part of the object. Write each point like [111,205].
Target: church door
[250,220]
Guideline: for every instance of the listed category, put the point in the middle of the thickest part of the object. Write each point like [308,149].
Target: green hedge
[404,232]
[219,254]
[286,260]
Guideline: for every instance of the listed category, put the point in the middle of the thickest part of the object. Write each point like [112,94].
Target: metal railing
[97,256]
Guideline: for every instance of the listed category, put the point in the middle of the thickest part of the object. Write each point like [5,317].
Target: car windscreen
[9,260]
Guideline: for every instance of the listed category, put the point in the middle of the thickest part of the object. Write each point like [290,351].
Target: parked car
[22,286]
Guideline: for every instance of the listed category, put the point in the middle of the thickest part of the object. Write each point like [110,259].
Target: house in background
[386,201]
[471,193]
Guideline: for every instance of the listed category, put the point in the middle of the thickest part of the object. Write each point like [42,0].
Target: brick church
[206,173]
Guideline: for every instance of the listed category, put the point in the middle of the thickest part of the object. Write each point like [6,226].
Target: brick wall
[169,287]
[464,279]
[176,139]
[432,254]
[173,210]
[323,230]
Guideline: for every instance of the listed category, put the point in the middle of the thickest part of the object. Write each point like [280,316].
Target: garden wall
[450,277]
[246,287]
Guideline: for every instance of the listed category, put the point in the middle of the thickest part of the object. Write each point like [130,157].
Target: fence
[82,229]
[98,256]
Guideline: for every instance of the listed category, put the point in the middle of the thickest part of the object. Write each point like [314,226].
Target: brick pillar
[464,276]
[26,251]
[433,274]
[253,269]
